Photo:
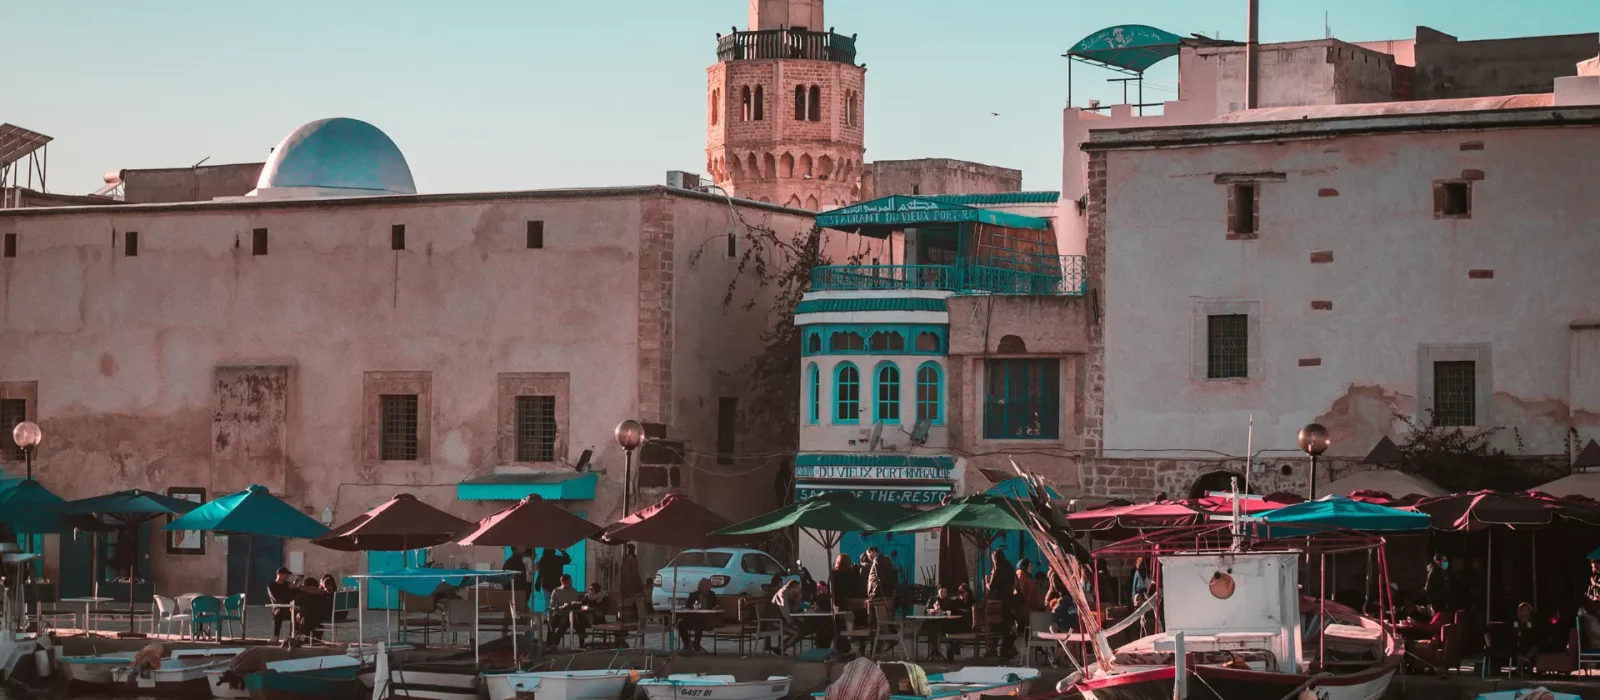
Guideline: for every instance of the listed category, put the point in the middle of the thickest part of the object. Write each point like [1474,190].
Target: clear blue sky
[539,93]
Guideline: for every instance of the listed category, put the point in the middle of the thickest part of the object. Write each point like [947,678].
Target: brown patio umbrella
[676,521]
[400,524]
[1477,510]
[531,522]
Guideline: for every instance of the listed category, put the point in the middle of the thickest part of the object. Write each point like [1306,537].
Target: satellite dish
[877,437]
[919,432]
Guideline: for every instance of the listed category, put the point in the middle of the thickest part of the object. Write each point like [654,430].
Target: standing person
[692,627]
[632,583]
[551,566]
[1141,581]
[847,584]
[281,592]
[1002,588]
[1437,586]
[518,566]
[1028,599]
[884,580]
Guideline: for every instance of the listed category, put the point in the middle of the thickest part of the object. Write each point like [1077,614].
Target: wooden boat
[313,677]
[429,681]
[974,682]
[98,671]
[1236,628]
[711,687]
[184,675]
[604,684]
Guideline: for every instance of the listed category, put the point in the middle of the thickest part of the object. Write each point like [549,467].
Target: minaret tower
[785,109]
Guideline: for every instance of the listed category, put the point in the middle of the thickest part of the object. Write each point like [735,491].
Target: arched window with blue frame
[846,393]
[930,395]
[814,384]
[887,407]
[813,342]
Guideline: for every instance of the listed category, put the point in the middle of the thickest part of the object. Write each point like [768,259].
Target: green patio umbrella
[131,509]
[251,512]
[978,512]
[825,519]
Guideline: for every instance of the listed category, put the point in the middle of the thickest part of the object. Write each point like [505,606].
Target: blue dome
[340,153]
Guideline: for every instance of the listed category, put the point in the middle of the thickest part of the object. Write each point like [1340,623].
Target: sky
[507,95]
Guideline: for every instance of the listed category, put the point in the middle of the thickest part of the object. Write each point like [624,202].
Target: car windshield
[709,560]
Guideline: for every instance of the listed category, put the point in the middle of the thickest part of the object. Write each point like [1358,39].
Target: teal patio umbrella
[131,509]
[251,512]
[1338,512]
[28,507]
[824,518]
[977,512]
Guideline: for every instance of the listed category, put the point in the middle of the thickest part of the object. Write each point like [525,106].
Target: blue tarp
[1338,512]
[421,581]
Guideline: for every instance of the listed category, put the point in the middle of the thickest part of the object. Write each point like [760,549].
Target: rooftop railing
[1070,278]
[787,43]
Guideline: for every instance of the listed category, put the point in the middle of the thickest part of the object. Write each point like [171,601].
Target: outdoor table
[917,621]
[88,603]
[833,615]
[696,611]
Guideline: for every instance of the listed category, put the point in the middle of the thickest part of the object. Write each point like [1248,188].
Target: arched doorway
[1215,481]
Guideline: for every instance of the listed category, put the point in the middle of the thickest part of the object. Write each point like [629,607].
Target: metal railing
[1068,277]
[787,43]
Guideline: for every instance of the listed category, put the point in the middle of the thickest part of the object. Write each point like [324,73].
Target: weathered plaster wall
[198,364]
[936,176]
[199,184]
[1449,68]
[1351,275]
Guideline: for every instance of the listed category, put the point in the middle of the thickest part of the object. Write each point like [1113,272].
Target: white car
[732,570]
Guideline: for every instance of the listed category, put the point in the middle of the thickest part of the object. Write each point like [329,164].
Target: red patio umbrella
[531,522]
[675,521]
[1140,516]
[400,524]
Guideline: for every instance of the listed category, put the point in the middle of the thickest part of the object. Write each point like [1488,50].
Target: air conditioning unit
[683,180]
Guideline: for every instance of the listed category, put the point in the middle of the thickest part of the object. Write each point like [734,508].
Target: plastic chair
[207,611]
[1040,622]
[232,611]
[167,614]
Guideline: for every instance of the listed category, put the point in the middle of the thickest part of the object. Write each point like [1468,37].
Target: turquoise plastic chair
[232,609]
[207,611]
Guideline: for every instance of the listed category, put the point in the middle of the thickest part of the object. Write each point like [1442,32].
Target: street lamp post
[27,436]
[1314,441]
[630,435]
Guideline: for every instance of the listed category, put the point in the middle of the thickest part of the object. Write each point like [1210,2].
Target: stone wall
[936,176]
[198,184]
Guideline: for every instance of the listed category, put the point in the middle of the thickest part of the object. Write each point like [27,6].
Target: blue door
[1018,545]
[379,596]
[579,568]
[265,555]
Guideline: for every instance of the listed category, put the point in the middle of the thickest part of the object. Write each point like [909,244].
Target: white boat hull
[431,685]
[94,670]
[698,687]
[560,685]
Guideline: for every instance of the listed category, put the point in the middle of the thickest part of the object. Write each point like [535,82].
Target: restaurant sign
[897,473]
[930,495]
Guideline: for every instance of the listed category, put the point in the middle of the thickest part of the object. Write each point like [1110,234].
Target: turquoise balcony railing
[1068,278]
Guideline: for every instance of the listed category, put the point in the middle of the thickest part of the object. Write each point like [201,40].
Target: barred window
[536,428]
[1227,346]
[1455,388]
[398,441]
[1023,401]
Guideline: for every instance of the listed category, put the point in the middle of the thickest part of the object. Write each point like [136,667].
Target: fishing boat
[603,684]
[177,675]
[974,682]
[430,681]
[98,671]
[313,677]
[1236,627]
[711,687]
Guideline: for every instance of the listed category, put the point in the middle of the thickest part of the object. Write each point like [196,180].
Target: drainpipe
[1251,53]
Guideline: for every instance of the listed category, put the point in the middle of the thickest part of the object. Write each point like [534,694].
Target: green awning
[879,217]
[515,486]
[1131,47]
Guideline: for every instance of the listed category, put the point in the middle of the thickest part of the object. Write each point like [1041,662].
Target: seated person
[592,608]
[315,607]
[564,602]
[692,627]
[822,598]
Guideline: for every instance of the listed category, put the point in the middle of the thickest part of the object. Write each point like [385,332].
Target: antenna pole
[1249,451]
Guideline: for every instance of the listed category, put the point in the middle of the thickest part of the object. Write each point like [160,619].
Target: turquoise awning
[1131,47]
[515,486]
[866,459]
[881,216]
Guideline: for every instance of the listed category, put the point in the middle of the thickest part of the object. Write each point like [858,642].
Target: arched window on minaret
[799,103]
[745,102]
[761,102]
[716,105]
[814,104]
